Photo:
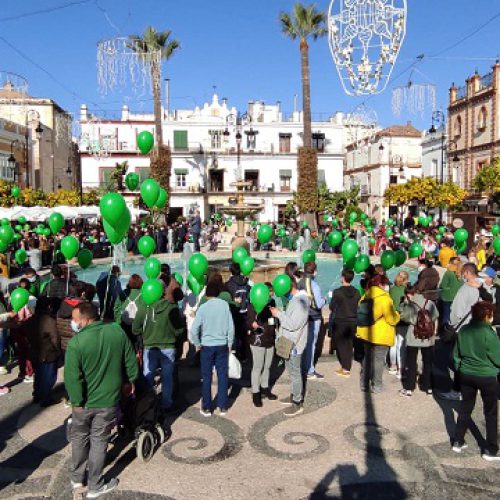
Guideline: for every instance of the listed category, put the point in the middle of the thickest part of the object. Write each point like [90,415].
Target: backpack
[364,313]
[424,326]
[129,312]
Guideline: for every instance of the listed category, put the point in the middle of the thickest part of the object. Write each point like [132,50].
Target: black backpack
[365,312]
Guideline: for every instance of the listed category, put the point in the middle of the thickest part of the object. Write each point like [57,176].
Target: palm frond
[287,26]
[305,21]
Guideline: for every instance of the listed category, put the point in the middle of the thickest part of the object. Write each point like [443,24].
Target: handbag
[450,332]
[284,347]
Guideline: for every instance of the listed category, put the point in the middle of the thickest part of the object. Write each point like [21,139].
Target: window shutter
[180,139]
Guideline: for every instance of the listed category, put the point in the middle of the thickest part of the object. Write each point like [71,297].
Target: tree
[153,42]
[333,202]
[487,180]
[305,22]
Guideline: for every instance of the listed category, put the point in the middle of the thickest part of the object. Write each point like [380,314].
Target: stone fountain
[265,269]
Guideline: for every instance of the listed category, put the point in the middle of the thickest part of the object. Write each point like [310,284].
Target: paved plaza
[346,444]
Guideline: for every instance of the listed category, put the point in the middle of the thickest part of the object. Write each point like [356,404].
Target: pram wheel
[145,446]
[161,433]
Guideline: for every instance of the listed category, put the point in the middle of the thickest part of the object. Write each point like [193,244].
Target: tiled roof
[407,130]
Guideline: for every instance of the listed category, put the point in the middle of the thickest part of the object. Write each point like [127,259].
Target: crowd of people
[106,337]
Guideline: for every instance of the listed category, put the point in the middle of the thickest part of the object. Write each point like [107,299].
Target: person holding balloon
[195,229]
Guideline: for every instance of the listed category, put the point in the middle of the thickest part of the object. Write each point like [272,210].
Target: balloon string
[68,272]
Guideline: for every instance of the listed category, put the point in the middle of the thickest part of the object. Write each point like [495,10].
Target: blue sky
[237,46]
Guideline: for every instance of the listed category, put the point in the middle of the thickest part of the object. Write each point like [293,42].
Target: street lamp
[12,159]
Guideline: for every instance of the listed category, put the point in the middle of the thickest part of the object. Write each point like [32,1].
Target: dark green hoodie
[159,324]
[94,365]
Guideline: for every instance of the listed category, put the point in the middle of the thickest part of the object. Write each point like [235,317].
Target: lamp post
[12,159]
[238,137]
[439,119]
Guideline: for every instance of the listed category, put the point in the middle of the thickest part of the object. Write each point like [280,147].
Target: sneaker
[257,399]
[4,391]
[28,380]
[490,457]
[286,401]
[393,371]
[294,409]
[405,393]
[458,448]
[75,485]
[222,412]
[205,413]
[106,488]
[451,396]
[429,392]
[315,376]
[266,393]
[3,370]
[342,373]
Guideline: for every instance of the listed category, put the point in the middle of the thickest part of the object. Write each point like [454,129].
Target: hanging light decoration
[365,39]
[415,98]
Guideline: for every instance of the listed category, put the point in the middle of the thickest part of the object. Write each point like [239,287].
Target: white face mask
[32,279]
[75,326]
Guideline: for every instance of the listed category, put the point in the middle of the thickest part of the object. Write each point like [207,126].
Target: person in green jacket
[449,286]
[160,325]
[477,359]
[96,360]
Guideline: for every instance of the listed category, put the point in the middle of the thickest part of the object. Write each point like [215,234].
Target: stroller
[138,417]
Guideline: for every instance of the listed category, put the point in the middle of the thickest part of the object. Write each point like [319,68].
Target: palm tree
[305,22]
[153,42]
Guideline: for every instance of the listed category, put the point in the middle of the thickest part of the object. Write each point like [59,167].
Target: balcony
[486,81]
[461,93]
[365,190]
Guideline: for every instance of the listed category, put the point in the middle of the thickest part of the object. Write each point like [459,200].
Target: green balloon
[372,241]
[281,233]
[5,222]
[46,232]
[56,222]
[264,234]
[305,224]
[308,256]
[162,199]
[19,298]
[247,266]
[69,247]
[22,219]
[349,249]
[17,237]
[326,217]
[21,256]
[146,246]
[27,227]
[460,247]
[461,235]
[496,245]
[344,232]
[198,265]
[6,234]
[114,237]
[334,238]
[196,286]
[364,217]
[145,142]
[112,207]
[399,257]
[84,258]
[18,227]
[132,181]
[335,222]
[402,238]
[123,224]
[15,191]
[442,230]
[178,278]
[3,246]
[353,216]
[387,259]
[259,297]
[415,250]
[495,229]
[439,237]
[388,233]
[349,264]
[152,268]
[152,291]
[150,190]
[282,285]
[361,263]
[239,255]
[229,222]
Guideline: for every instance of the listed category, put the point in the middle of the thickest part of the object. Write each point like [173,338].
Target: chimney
[84,113]
[125,113]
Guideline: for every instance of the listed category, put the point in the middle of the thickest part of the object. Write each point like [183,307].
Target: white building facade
[389,156]
[212,147]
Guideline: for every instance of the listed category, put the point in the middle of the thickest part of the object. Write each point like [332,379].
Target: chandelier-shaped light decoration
[125,62]
[365,39]
[415,98]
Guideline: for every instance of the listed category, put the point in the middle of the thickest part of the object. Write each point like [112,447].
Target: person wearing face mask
[34,280]
[477,359]
[98,361]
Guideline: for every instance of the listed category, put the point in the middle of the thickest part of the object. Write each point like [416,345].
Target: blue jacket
[213,324]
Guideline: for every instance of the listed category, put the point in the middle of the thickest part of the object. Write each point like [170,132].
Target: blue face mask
[289,296]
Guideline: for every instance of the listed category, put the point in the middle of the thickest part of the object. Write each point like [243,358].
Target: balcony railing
[486,81]
[461,92]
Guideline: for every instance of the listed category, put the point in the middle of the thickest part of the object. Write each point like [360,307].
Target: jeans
[373,366]
[411,368]
[293,365]
[90,430]
[397,353]
[196,241]
[488,387]
[155,358]
[445,312]
[343,333]
[3,344]
[45,379]
[262,357]
[309,352]
[217,356]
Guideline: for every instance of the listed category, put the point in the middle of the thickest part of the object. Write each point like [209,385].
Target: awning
[180,171]
[286,173]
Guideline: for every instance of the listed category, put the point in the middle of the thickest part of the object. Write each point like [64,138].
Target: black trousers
[343,333]
[411,368]
[487,386]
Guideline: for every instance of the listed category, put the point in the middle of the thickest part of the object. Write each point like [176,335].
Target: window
[481,119]
[216,137]
[251,139]
[180,140]
[321,177]
[393,179]
[285,180]
[318,142]
[105,176]
[180,181]
[434,169]
[253,177]
[143,173]
[285,143]
[458,127]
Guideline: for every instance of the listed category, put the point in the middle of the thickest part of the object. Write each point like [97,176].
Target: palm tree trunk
[306,92]
[155,81]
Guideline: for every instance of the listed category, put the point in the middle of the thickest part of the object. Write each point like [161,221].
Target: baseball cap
[488,272]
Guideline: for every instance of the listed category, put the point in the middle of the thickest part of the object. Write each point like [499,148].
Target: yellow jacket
[481,259]
[383,332]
